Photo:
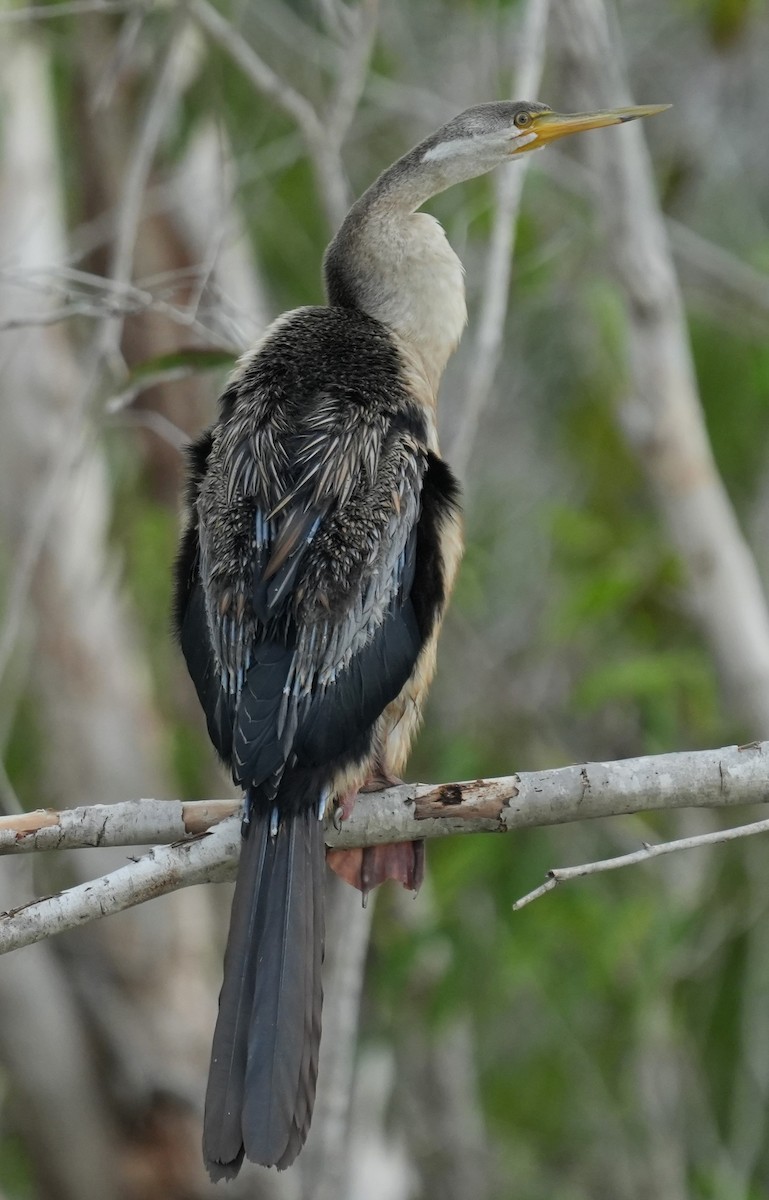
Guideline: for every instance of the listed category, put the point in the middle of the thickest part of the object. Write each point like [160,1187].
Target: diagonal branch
[164,869]
[558,875]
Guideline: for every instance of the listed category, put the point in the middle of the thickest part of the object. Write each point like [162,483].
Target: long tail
[264,1060]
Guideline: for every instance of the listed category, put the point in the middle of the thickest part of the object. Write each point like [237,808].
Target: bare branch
[98,298]
[294,30]
[134,823]
[164,869]
[725,778]
[720,264]
[123,400]
[398,97]
[34,542]
[331,185]
[508,189]
[558,875]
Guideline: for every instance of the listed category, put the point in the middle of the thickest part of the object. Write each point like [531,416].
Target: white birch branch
[692,779]
[725,778]
[134,823]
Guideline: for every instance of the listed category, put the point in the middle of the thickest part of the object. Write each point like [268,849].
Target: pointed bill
[549,126]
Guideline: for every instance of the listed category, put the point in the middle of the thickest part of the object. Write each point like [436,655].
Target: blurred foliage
[619,1021]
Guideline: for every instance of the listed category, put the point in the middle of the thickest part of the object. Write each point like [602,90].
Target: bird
[321,539]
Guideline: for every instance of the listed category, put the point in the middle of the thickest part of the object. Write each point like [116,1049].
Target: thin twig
[331,183]
[107,309]
[288,25]
[119,60]
[406,99]
[508,188]
[558,875]
[112,299]
[124,399]
[334,16]
[36,532]
[720,264]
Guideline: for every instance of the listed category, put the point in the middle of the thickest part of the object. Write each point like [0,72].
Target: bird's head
[488,134]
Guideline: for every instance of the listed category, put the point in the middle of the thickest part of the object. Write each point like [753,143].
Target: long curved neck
[396,264]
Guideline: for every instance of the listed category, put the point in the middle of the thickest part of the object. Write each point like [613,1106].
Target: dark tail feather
[264,1061]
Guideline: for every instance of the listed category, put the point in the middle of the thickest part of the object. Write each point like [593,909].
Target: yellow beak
[548,126]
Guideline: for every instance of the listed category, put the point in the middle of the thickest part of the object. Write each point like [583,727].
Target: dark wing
[327,636]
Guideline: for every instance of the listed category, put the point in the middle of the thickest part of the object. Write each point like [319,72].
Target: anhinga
[322,540]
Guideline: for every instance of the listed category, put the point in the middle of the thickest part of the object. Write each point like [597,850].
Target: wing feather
[311,646]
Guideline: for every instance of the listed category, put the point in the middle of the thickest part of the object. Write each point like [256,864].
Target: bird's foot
[344,806]
[368,866]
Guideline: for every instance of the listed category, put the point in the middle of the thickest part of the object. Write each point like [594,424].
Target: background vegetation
[612,1040]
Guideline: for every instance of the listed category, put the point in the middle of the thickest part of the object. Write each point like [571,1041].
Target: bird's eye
[522,119]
